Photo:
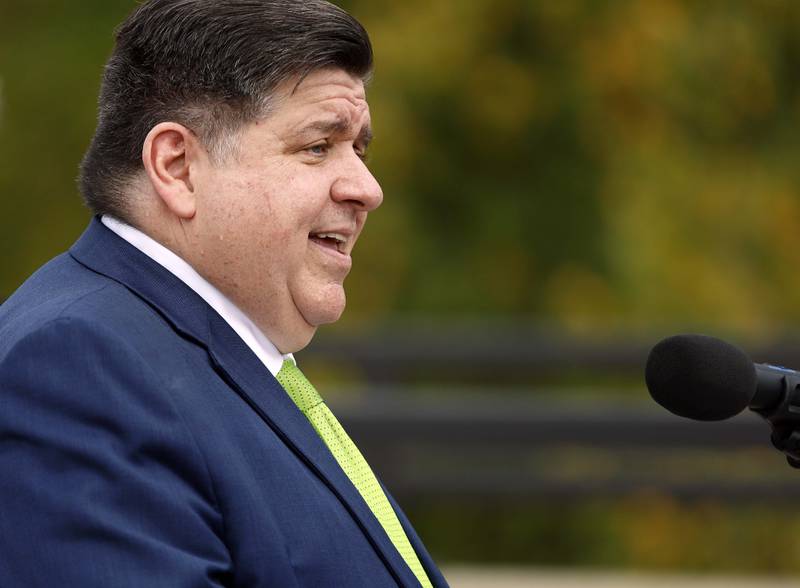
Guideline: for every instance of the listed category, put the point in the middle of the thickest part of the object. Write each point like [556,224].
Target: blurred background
[566,183]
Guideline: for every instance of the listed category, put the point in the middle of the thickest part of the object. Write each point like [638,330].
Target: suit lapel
[104,252]
[268,398]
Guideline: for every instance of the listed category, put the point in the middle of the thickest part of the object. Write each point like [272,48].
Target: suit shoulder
[63,293]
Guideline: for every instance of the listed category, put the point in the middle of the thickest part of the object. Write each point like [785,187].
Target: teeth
[336,237]
[340,240]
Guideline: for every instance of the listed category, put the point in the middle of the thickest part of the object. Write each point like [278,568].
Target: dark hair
[210,65]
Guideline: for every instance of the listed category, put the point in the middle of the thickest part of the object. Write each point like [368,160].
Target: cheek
[268,219]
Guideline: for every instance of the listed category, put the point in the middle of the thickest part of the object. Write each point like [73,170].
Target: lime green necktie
[351,461]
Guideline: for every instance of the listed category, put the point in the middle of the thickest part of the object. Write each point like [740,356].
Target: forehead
[326,93]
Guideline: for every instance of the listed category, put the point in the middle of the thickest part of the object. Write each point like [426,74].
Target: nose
[355,184]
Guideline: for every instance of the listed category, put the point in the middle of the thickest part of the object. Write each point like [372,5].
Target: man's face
[275,225]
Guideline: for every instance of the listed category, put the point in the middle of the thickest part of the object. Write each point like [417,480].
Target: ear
[170,155]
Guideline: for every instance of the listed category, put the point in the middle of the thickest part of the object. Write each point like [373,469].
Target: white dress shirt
[253,337]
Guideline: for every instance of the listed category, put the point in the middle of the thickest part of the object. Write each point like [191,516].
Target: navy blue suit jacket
[143,445]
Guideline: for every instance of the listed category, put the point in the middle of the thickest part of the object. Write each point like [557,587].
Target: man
[154,429]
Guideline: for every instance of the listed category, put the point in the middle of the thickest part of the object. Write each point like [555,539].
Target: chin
[324,309]
[323,316]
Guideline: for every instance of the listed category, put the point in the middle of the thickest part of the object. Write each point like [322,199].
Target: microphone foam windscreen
[700,377]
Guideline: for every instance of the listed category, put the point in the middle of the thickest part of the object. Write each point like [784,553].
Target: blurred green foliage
[594,164]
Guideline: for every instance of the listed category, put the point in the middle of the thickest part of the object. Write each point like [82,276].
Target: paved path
[467,577]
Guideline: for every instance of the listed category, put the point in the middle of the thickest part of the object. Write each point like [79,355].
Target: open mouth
[333,241]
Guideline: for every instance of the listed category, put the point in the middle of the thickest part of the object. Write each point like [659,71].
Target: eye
[318,150]
[361,152]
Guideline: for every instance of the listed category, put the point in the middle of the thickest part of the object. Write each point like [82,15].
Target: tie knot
[304,395]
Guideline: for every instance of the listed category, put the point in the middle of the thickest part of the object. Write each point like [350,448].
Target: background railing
[509,413]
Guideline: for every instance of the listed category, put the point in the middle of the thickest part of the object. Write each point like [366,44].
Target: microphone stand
[783,415]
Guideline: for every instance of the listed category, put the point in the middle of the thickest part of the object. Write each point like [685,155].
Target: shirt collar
[252,336]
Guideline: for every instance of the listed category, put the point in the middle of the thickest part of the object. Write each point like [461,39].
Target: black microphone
[707,379]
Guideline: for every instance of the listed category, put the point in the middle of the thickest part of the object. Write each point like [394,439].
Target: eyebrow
[335,126]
